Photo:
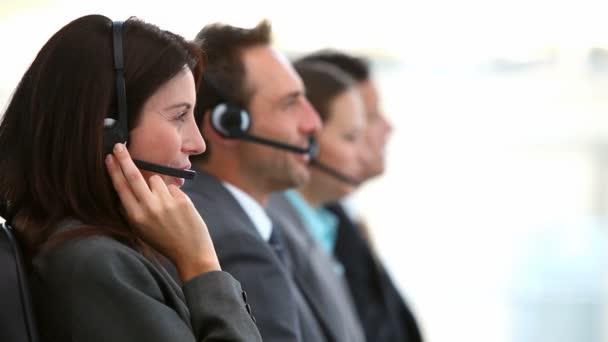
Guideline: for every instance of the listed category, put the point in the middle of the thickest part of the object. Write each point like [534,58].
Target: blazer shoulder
[96,260]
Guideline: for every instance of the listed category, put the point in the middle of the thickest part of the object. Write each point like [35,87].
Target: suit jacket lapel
[283,212]
[212,190]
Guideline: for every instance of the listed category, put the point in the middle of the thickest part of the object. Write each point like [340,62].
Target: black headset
[231,120]
[228,118]
[116,131]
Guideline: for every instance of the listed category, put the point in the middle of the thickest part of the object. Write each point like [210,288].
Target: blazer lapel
[300,246]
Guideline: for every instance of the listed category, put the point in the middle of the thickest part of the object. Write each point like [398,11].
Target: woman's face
[166,133]
[340,144]
[377,132]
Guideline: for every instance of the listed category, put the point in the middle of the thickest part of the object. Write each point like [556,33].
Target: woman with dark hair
[95,228]
[335,97]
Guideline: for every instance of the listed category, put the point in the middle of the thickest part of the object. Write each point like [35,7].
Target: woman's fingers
[159,188]
[131,173]
[163,216]
[177,193]
[122,187]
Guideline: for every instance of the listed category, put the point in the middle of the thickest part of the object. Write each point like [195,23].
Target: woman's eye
[290,103]
[181,116]
[350,137]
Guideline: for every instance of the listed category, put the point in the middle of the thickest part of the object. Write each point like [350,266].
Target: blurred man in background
[251,89]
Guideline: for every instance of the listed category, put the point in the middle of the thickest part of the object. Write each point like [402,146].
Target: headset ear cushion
[111,135]
[230,120]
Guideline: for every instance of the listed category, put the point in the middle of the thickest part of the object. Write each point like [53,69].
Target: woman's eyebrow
[178,105]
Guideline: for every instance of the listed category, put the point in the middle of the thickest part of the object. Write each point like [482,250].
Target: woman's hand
[164,216]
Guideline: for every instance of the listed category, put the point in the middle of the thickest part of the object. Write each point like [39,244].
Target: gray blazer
[313,268]
[96,289]
[281,312]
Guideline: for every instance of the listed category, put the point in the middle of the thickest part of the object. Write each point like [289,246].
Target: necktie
[276,243]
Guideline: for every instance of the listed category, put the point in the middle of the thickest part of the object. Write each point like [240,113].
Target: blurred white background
[492,213]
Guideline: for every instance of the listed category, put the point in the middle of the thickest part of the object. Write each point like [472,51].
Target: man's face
[377,131]
[279,111]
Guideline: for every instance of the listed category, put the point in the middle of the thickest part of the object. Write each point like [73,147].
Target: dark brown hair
[323,82]
[51,135]
[355,66]
[224,78]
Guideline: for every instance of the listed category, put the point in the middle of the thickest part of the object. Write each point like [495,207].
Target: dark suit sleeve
[117,297]
[250,260]
[244,254]
[217,308]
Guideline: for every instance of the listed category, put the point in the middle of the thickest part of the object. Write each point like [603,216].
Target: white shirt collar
[253,209]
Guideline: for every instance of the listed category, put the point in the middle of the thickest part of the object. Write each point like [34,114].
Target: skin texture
[166,133]
[377,131]
[163,216]
[340,142]
[279,111]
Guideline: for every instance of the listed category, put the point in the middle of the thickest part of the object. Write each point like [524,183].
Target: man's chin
[296,180]
[301,177]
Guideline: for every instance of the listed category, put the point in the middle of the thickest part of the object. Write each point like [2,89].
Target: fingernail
[118,148]
[109,159]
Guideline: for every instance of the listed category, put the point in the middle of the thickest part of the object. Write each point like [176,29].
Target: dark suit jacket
[96,289]
[314,272]
[281,312]
[385,315]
